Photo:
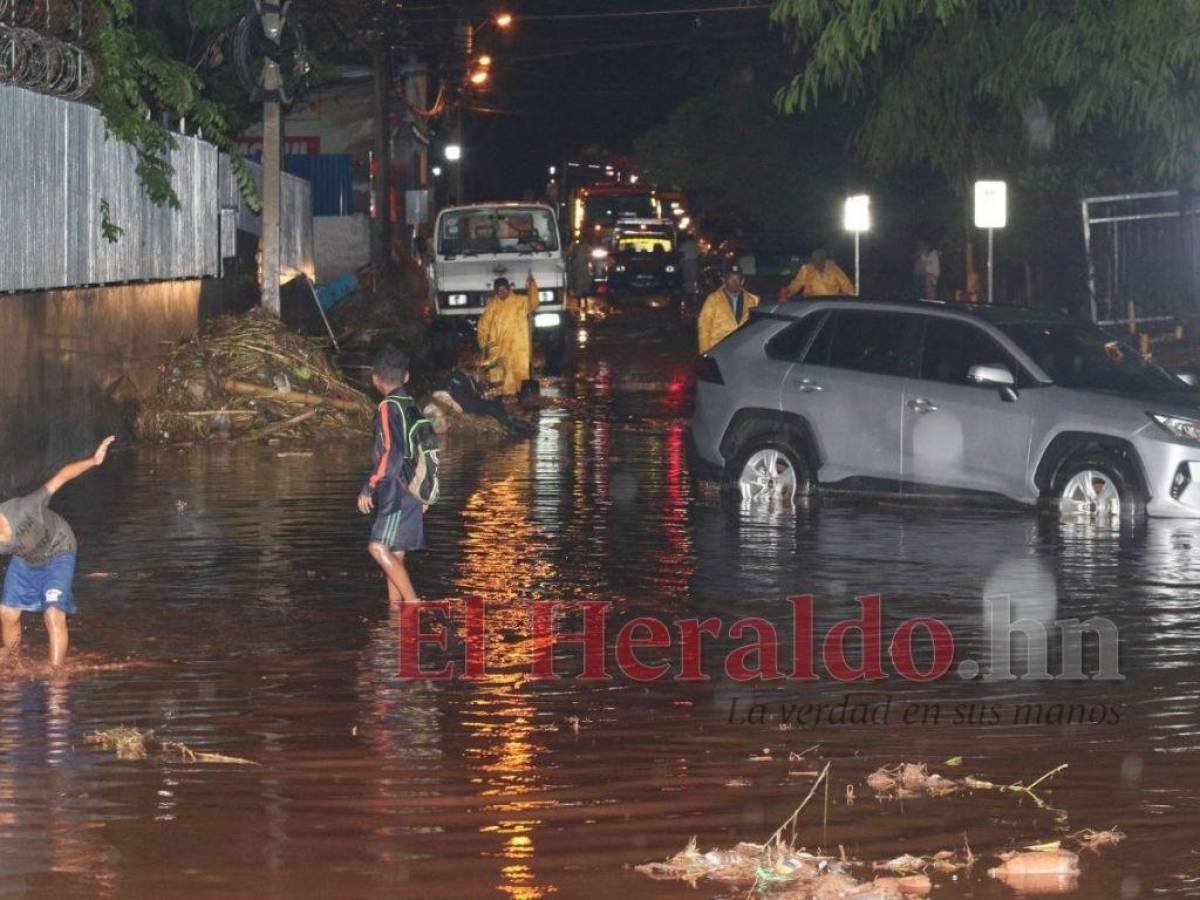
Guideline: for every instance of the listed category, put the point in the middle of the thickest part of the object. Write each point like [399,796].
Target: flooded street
[227,601]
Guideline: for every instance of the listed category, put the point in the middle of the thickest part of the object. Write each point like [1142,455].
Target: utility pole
[272,23]
[381,237]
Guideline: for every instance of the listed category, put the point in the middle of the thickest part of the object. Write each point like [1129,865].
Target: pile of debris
[248,377]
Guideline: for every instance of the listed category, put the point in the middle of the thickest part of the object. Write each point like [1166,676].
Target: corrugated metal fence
[57,165]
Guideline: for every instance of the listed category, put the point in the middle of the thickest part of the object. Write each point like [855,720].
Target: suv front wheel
[1097,486]
[770,470]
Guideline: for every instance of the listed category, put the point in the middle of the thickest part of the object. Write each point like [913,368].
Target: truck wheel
[444,347]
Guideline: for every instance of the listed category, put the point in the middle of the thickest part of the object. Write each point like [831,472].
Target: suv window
[951,348]
[884,343]
[789,345]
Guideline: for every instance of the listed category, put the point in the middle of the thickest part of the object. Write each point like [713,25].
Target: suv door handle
[806,385]
[921,405]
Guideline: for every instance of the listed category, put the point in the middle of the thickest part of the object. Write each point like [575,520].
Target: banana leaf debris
[247,377]
[780,869]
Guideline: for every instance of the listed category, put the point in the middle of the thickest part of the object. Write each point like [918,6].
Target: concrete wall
[73,362]
[341,244]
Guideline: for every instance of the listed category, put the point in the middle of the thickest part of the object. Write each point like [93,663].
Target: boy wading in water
[399,524]
[42,570]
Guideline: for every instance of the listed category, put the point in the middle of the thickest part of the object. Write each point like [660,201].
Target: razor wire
[36,61]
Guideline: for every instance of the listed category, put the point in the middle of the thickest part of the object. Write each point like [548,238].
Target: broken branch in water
[187,754]
[777,837]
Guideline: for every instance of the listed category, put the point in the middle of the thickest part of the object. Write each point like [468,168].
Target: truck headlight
[546,296]
[456,300]
[546,320]
[1177,426]
[599,253]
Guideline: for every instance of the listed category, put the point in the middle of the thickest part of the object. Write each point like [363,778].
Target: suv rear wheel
[1097,486]
[770,469]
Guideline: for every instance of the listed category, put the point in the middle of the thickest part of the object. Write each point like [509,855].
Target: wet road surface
[230,591]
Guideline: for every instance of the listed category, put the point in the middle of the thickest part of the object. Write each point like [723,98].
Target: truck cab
[476,244]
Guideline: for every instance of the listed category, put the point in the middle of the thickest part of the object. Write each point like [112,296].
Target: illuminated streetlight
[479,77]
[485,60]
[437,171]
[453,152]
[856,218]
[553,170]
[991,212]
[504,20]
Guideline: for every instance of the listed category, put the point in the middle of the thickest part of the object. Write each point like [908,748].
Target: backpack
[420,452]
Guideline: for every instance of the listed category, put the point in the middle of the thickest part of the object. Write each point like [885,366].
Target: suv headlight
[1177,426]
[456,300]
[546,320]
[546,296]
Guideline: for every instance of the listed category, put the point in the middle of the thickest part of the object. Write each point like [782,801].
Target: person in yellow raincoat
[503,334]
[724,310]
[819,277]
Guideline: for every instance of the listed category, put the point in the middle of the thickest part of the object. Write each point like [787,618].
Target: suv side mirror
[994,376]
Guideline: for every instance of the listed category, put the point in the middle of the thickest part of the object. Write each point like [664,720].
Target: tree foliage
[971,85]
[142,80]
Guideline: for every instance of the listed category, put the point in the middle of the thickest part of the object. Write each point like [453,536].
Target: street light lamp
[503,20]
[479,77]
[991,212]
[453,152]
[856,218]
[484,60]
[437,171]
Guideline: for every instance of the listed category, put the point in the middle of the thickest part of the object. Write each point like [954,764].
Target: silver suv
[919,397]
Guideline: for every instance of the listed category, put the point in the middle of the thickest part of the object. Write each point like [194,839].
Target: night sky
[565,83]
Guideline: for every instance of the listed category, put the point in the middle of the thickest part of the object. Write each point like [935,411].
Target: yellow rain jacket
[504,338]
[811,282]
[716,317]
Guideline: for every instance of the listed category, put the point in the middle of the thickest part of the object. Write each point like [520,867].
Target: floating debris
[127,743]
[130,743]
[187,754]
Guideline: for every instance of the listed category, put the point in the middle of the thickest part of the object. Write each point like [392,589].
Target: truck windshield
[471,232]
[599,209]
[1082,356]
[645,240]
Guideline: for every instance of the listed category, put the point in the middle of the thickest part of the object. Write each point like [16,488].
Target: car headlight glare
[1178,426]
[456,300]
[546,320]
[546,296]
[599,253]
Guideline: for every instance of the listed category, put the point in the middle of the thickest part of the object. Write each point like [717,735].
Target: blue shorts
[38,588]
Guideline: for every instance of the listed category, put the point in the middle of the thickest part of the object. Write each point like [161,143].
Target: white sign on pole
[991,204]
[857,214]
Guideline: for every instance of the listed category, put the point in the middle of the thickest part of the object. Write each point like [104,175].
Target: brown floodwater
[227,602]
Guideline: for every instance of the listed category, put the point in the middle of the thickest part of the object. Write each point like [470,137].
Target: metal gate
[1141,260]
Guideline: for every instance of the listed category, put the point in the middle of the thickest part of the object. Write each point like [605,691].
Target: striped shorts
[402,530]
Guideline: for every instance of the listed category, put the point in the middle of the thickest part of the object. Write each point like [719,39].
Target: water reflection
[273,642]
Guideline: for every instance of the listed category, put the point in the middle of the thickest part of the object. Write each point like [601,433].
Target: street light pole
[990,231]
[991,212]
[856,218]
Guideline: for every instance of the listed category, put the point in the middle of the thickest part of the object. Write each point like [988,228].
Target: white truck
[473,246]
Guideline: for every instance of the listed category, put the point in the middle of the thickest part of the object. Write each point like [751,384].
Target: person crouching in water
[42,571]
[503,334]
[399,517]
